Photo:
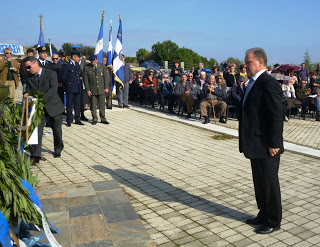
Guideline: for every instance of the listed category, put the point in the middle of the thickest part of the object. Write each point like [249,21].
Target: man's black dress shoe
[78,123]
[57,155]
[35,160]
[68,124]
[94,122]
[104,122]
[264,229]
[254,221]
[83,118]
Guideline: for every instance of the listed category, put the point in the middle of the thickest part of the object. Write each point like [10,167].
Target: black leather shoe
[68,124]
[57,155]
[83,118]
[189,115]
[206,120]
[94,122]
[264,229]
[104,122]
[35,160]
[78,123]
[254,221]
[222,120]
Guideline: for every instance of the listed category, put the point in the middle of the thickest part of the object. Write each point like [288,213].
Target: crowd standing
[77,83]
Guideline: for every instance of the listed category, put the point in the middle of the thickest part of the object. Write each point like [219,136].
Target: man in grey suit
[46,81]
[124,93]
[96,80]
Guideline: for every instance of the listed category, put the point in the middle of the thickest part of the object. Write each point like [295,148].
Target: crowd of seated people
[198,90]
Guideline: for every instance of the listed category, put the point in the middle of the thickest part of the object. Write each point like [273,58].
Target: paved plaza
[189,186]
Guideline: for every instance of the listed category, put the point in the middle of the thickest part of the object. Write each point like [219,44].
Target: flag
[109,60]
[117,59]
[99,47]
[41,36]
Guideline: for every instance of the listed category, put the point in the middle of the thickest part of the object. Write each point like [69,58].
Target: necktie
[250,83]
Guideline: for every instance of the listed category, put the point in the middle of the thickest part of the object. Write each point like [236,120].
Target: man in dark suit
[260,139]
[42,52]
[46,81]
[71,79]
[96,80]
[57,67]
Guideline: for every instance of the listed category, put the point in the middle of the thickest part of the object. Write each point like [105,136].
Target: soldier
[42,52]
[96,79]
[71,79]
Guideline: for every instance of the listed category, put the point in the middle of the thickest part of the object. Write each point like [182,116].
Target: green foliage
[14,201]
[236,61]
[307,60]
[131,60]
[170,51]
[143,55]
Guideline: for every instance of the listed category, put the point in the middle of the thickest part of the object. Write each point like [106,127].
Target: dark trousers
[267,189]
[109,98]
[171,97]
[93,106]
[55,124]
[73,100]
[61,94]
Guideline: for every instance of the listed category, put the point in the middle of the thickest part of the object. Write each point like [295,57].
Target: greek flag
[41,36]
[99,47]
[117,59]
[109,60]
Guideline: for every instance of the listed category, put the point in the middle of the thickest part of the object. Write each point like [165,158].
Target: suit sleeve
[64,73]
[53,86]
[274,113]
[85,79]
[106,78]
[130,73]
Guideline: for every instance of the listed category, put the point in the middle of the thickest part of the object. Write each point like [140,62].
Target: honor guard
[42,52]
[71,79]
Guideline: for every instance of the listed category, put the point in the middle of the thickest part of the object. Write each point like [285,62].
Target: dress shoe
[83,118]
[43,158]
[189,115]
[104,122]
[78,123]
[222,120]
[120,106]
[254,221]
[57,155]
[206,120]
[94,122]
[126,106]
[35,160]
[264,229]
[68,124]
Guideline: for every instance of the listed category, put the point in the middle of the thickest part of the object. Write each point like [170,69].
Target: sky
[213,29]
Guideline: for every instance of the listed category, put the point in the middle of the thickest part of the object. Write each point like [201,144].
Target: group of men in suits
[53,79]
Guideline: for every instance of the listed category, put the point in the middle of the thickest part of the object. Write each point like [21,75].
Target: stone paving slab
[189,187]
[85,220]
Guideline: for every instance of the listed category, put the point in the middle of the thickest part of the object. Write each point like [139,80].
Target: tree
[307,60]
[167,50]
[142,55]
[236,61]
[66,48]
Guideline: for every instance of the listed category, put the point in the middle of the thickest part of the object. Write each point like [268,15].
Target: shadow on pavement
[163,191]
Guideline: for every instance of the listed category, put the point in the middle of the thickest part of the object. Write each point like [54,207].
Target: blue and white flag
[41,36]
[5,239]
[99,47]
[109,60]
[117,58]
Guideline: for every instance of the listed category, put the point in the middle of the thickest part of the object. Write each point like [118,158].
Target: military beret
[41,49]
[76,47]
[93,57]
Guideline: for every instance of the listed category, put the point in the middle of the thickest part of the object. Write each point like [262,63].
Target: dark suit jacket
[261,119]
[127,72]
[48,64]
[48,84]
[71,78]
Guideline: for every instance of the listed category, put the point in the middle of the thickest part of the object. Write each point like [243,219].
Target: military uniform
[71,79]
[96,79]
